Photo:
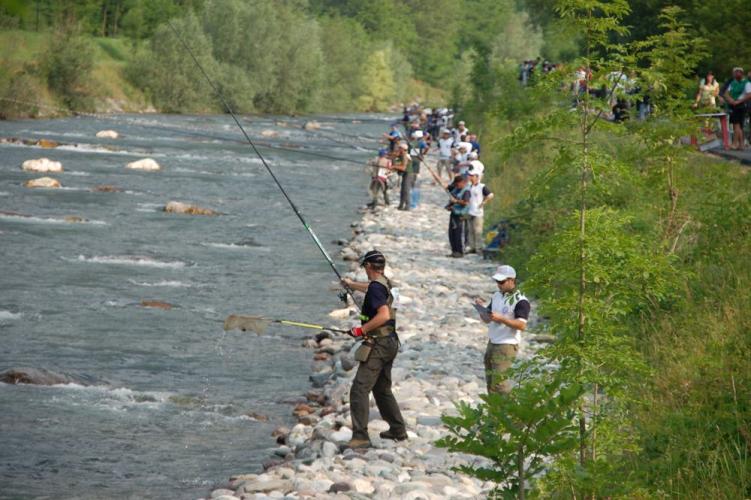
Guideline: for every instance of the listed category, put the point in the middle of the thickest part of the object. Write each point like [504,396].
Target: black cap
[374,257]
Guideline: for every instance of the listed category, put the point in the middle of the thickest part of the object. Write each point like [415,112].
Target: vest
[504,304]
[457,209]
[385,330]
[736,88]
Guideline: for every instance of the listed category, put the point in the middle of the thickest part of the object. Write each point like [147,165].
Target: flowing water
[166,414]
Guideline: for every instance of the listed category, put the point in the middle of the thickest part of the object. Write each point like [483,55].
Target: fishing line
[268,168]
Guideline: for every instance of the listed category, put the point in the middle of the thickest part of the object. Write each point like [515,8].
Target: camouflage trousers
[499,358]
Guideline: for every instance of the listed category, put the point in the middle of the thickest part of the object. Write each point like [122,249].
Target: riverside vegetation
[637,250]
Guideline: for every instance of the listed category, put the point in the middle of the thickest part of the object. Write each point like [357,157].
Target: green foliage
[515,432]
[68,62]
[379,87]
[169,75]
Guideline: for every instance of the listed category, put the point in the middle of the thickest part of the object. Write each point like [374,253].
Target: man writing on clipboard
[506,316]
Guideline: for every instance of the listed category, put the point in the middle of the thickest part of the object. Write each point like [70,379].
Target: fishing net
[257,324]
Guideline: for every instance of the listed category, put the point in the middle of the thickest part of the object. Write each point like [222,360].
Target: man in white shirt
[506,316]
[445,143]
[460,131]
[480,195]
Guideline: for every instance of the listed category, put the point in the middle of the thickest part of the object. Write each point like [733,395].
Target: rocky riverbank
[440,363]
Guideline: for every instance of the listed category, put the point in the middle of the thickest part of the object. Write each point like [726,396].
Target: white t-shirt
[508,305]
[445,147]
[477,193]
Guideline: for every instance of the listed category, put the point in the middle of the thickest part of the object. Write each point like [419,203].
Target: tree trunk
[520,472]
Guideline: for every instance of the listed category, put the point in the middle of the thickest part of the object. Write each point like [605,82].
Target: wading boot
[393,435]
[357,444]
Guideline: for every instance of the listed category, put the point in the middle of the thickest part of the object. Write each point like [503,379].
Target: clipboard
[482,311]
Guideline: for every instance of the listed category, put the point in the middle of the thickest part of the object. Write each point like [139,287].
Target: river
[166,411]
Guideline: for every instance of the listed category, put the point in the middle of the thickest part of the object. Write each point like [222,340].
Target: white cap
[473,155]
[503,273]
[462,123]
[417,134]
[476,167]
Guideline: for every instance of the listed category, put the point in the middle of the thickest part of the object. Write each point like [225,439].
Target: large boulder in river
[41,165]
[145,164]
[43,182]
[177,207]
[312,125]
[107,134]
[47,143]
[39,376]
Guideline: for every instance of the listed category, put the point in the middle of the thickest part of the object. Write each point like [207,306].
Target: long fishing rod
[185,132]
[268,168]
[258,324]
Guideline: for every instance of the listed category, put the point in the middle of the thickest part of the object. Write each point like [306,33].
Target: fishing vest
[457,209]
[504,304]
[387,329]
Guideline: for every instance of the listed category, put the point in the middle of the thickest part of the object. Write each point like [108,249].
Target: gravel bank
[440,363]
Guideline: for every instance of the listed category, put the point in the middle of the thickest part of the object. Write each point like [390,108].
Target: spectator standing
[706,96]
[506,316]
[736,95]
[460,131]
[480,195]
[445,146]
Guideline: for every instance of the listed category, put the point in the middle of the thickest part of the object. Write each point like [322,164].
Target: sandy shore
[440,363]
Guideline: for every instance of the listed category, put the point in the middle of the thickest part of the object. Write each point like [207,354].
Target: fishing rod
[268,168]
[259,324]
[424,161]
[185,132]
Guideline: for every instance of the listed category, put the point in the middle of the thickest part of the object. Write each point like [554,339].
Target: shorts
[738,114]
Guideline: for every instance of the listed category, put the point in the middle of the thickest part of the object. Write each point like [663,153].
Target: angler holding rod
[376,354]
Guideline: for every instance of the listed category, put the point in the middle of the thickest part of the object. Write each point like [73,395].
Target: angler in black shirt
[376,355]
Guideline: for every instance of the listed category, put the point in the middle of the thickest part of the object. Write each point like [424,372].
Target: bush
[68,63]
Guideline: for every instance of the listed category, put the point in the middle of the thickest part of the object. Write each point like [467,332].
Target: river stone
[329,449]
[222,491]
[429,420]
[44,165]
[224,497]
[107,134]
[343,434]
[283,451]
[146,164]
[283,485]
[361,485]
[348,361]
[177,207]
[339,487]
[320,379]
[43,182]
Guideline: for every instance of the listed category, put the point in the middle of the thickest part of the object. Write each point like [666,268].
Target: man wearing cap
[737,93]
[374,373]
[506,316]
[479,196]
[460,131]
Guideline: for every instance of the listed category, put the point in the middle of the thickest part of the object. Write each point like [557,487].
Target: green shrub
[68,62]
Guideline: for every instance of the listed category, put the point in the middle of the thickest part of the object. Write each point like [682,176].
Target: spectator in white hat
[479,196]
[506,316]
